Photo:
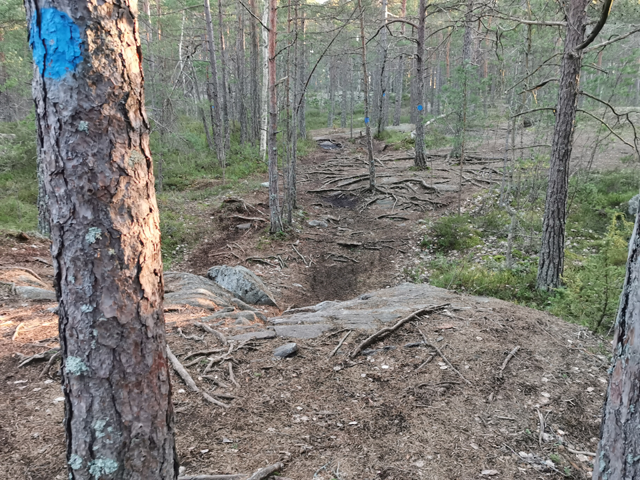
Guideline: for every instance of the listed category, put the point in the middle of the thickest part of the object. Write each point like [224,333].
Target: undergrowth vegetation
[471,253]
[188,177]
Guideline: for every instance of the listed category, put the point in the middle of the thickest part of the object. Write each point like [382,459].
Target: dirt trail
[371,417]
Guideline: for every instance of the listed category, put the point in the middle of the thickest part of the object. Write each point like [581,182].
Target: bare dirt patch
[371,417]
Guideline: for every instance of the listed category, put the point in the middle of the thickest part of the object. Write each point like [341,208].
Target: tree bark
[551,262]
[218,127]
[224,97]
[98,176]
[272,144]
[255,84]
[265,110]
[367,120]
[619,441]
[240,87]
[302,124]
[420,160]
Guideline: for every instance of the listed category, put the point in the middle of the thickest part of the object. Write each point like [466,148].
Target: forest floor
[375,417]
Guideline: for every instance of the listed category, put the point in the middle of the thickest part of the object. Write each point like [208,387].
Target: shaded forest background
[490,71]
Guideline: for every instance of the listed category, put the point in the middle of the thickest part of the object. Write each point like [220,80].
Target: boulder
[37,294]
[243,284]
[189,289]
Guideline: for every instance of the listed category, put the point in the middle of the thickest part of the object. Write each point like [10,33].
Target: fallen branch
[426,341]
[237,476]
[300,255]
[182,372]
[389,330]
[507,360]
[335,350]
[266,471]
[580,452]
[249,219]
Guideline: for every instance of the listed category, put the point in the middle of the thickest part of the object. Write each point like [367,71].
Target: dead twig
[429,344]
[507,360]
[541,433]
[219,359]
[232,376]
[388,330]
[202,353]
[213,332]
[249,219]
[47,367]
[425,362]
[300,255]
[182,372]
[266,471]
[38,356]
[335,350]
[237,476]
[17,330]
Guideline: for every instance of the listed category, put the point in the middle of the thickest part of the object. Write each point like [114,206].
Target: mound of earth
[454,407]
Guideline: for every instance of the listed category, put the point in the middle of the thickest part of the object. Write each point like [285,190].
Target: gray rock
[240,305]
[250,316]
[243,226]
[382,307]
[260,334]
[265,184]
[189,289]
[243,283]
[317,223]
[302,331]
[285,350]
[37,294]
[634,203]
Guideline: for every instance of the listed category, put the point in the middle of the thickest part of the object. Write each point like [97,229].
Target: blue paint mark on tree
[366,119]
[56,43]
[419,108]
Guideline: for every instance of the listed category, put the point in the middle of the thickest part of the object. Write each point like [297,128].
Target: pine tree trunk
[218,127]
[302,78]
[272,144]
[551,262]
[617,455]
[240,86]
[224,94]
[367,120]
[98,178]
[332,100]
[255,83]
[420,160]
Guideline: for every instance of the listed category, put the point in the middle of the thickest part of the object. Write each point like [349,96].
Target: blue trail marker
[56,43]
[420,108]
[366,119]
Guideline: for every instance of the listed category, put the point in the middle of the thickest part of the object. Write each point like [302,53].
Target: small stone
[265,184]
[489,473]
[243,226]
[439,339]
[285,350]
[226,440]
